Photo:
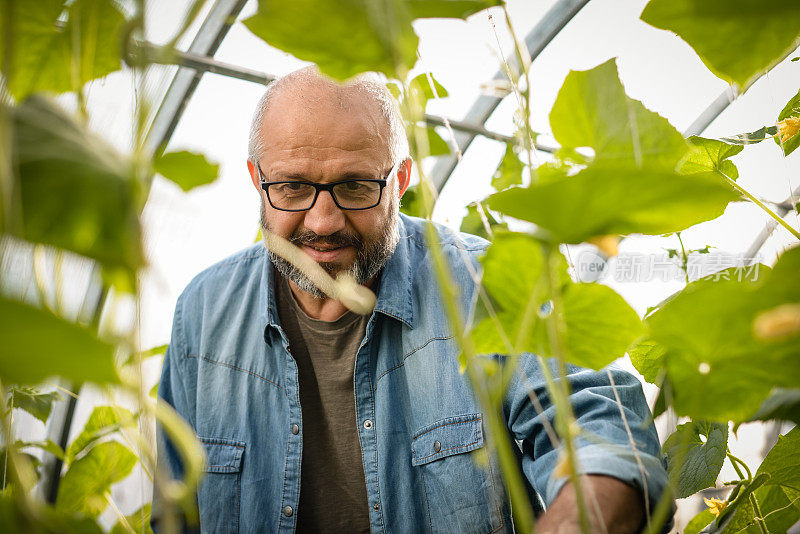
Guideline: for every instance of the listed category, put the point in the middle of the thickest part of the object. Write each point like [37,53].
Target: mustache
[304,236]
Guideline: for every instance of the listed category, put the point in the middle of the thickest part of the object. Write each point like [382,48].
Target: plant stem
[523,515]
[684,257]
[560,391]
[762,525]
[734,460]
[760,204]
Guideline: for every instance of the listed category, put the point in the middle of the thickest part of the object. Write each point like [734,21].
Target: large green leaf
[717,367]
[695,453]
[77,192]
[37,344]
[603,200]
[84,486]
[736,39]
[32,401]
[343,37]
[51,52]
[710,155]
[600,324]
[592,110]
[187,169]
[41,518]
[103,421]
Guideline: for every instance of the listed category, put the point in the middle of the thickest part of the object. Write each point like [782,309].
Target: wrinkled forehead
[326,118]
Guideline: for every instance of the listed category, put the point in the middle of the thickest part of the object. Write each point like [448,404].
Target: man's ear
[403,176]
[254,176]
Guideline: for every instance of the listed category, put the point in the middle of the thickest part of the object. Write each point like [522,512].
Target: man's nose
[324,217]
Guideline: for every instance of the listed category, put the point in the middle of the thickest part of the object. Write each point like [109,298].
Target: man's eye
[353,187]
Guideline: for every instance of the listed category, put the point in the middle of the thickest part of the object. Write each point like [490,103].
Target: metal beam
[536,41]
[205,44]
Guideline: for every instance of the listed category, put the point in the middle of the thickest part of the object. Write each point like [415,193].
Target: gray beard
[370,257]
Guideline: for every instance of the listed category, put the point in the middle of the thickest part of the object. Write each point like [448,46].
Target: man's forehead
[320,118]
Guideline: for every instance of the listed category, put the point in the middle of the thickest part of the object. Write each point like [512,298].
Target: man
[387,425]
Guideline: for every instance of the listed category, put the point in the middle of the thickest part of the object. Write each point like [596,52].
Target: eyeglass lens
[352,194]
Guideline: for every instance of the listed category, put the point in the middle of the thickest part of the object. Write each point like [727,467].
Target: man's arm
[613,506]
[605,446]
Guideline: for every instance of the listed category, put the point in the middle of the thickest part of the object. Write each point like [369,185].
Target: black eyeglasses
[292,195]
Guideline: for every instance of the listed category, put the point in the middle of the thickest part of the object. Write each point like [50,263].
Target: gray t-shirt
[333,491]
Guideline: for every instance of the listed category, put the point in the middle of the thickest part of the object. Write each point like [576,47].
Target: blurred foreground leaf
[58,47]
[187,169]
[600,324]
[77,191]
[630,186]
[718,368]
[37,344]
[84,486]
[736,39]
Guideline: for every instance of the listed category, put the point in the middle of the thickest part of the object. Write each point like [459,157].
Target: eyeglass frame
[327,187]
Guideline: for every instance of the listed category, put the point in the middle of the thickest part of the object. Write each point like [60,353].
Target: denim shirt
[228,372]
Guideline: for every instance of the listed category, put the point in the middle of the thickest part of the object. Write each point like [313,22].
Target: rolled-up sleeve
[608,429]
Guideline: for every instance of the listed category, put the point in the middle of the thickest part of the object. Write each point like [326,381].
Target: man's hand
[619,508]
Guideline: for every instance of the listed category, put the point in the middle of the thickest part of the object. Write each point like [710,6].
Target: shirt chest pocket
[219,492]
[463,492]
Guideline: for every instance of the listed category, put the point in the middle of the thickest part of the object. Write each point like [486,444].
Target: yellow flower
[608,244]
[715,505]
[788,128]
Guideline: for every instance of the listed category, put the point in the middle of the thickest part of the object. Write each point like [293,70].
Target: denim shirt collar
[394,290]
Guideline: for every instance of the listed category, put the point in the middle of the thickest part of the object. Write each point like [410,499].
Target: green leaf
[592,110]
[448,8]
[49,52]
[473,224]
[695,453]
[343,37]
[782,404]
[139,521]
[48,446]
[509,172]
[710,155]
[648,358]
[35,403]
[780,506]
[618,201]
[187,169]
[77,192]
[736,39]
[717,367]
[421,86]
[42,519]
[699,522]
[751,138]
[781,462]
[103,420]
[84,486]
[37,345]
[789,119]
[410,203]
[436,145]
[600,324]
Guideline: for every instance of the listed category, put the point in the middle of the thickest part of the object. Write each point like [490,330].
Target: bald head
[310,90]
